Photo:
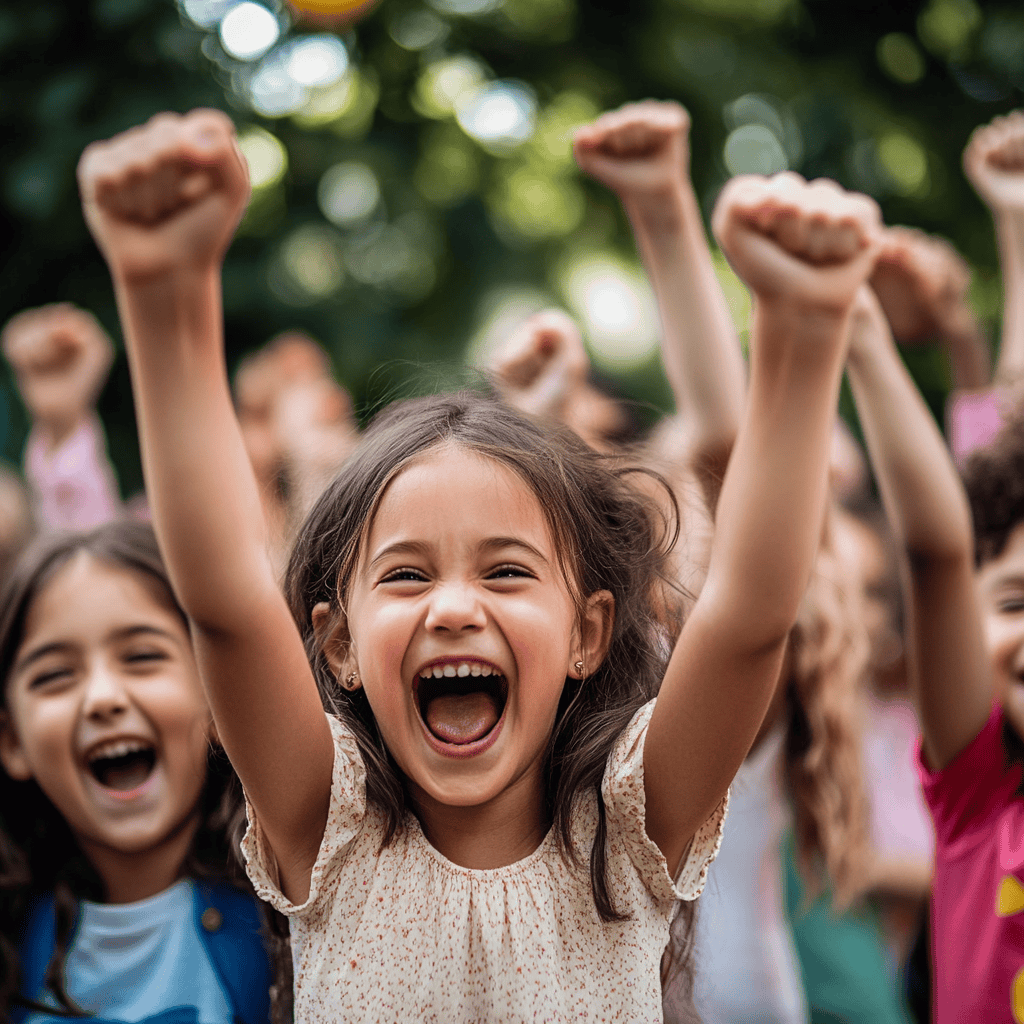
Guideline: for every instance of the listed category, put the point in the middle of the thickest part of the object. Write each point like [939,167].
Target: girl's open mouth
[461,706]
[122,765]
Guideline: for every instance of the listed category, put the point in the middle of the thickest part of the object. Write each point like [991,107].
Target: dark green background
[74,72]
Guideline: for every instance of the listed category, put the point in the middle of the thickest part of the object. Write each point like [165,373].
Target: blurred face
[1000,588]
[106,711]
[463,628]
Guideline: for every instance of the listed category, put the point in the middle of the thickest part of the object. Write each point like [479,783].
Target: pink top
[901,827]
[977,895]
[73,487]
[974,419]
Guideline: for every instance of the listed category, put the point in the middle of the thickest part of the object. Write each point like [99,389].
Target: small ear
[329,630]
[596,630]
[12,753]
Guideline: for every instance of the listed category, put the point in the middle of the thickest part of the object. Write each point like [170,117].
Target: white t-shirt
[745,960]
[130,961]
[406,935]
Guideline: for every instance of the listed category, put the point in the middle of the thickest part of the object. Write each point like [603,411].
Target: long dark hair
[38,851]
[608,536]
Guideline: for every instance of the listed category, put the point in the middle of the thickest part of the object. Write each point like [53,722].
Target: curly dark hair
[38,851]
[993,477]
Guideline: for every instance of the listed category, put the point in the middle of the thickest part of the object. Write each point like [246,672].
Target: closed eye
[404,576]
[510,571]
[50,676]
[144,657]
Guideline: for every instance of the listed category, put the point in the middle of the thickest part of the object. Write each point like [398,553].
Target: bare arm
[162,202]
[927,508]
[641,152]
[994,163]
[803,249]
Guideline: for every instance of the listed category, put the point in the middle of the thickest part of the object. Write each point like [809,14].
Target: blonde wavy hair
[824,674]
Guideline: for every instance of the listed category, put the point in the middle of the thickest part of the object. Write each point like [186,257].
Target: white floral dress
[404,935]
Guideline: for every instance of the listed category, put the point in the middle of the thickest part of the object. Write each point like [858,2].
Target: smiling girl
[500,819]
[119,896]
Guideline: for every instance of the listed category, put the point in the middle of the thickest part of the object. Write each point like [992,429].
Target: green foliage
[390,219]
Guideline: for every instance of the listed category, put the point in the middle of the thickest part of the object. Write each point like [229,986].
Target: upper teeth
[118,748]
[462,668]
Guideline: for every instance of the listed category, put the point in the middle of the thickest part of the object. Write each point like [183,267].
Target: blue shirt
[131,961]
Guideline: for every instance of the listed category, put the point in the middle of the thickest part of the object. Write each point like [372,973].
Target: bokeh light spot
[501,115]
[444,83]
[348,193]
[416,30]
[309,266]
[754,149]
[616,307]
[465,7]
[945,26]
[266,156]
[206,13]
[904,163]
[899,57]
[248,31]
[317,60]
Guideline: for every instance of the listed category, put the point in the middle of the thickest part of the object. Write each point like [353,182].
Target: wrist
[666,211]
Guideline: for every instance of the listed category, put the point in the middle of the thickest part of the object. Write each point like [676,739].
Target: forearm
[969,358]
[205,502]
[772,505]
[1010,235]
[927,509]
[922,493]
[700,348]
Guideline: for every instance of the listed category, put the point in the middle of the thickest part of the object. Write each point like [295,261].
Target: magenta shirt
[978,890]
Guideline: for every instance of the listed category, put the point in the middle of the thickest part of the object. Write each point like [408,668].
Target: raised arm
[803,249]
[994,163]
[163,202]
[642,153]
[928,511]
[922,282]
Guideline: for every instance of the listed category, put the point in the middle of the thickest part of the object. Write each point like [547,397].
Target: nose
[455,608]
[104,695]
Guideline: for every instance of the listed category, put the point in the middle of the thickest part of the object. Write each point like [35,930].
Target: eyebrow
[415,547]
[59,647]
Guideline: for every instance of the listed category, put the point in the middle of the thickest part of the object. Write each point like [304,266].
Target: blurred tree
[413,183]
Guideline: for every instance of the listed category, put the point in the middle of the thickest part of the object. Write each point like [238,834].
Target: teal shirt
[843,960]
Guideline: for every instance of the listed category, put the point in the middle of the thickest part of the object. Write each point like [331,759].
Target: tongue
[462,718]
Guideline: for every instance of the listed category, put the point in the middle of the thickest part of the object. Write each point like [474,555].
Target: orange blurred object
[331,13]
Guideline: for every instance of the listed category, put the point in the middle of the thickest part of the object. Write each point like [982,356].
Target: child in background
[297,426]
[994,164]
[806,751]
[474,595]
[61,357]
[963,628]
[120,895]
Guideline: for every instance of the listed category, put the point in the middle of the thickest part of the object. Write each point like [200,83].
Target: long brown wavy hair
[825,667]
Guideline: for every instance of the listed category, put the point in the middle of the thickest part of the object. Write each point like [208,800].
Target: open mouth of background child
[122,765]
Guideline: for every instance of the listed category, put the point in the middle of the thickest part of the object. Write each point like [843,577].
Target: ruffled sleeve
[344,819]
[623,792]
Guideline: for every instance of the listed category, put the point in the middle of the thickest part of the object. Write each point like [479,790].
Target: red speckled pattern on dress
[405,935]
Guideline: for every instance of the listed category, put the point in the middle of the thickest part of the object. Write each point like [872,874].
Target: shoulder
[976,785]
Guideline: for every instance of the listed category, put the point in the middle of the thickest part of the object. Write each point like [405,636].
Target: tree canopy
[414,189]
